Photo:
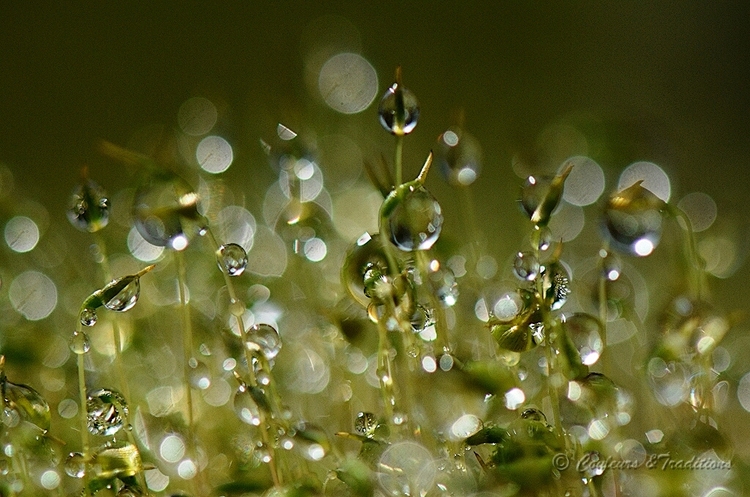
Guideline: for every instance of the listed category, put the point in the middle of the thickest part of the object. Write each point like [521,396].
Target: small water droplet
[633,220]
[422,318]
[591,465]
[264,338]
[459,156]
[526,266]
[366,424]
[398,110]
[556,284]
[669,380]
[534,414]
[611,266]
[21,402]
[415,219]
[80,343]
[75,465]
[89,207]
[232,259]
[585,331]
[365,268]
[245,406]
[311,441]
[107,412]
[543,238]
[88,316]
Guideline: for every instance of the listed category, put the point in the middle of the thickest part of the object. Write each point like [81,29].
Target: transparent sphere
[415,221]
[459,156]
[264,338]
[166,211]
[107,412]
[199,374]
[126,298]
[89,207]
[75,465]
[80,343]
[245,406]
[533,193]
[366,424]
[365,268]
[232,259]
[526,266]
[556,284]
[585,331]
[87,316]
[398,110]
[633,220]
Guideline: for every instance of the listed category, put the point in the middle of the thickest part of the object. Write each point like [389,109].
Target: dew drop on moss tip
[459,156]
[80,343]
[416,220]
[585,331]
[232,259]
[126,298]
[398,110]
[556,285]
[89,207]
[633,220]
[107,412]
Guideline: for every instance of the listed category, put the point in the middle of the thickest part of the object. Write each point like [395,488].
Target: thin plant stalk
[83,415]
[602,294]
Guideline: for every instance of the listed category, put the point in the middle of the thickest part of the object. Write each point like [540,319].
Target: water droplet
[264,338]
[669,380]
[80,343]
[366,424]
[406,468]
[199,375]
[365,268]
[585,331]
[311,441]
[460,157]
[414,218]
[22,401]
[591,465]
[89,207]
[232,259]
[526,266]
[422,318]
[541,195]
[245,406]
[116,460]
[543,238]
[398,110]
[87,316]
[75,465]
[126,298]
[556,284]
[129,492]
[633,220]
[166,211]
[107,412]
[611,266]
[534,414]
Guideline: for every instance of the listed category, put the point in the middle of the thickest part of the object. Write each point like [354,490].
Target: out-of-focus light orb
[33,295]
[172,448]
[21,234]
[236,224]
[197,116]
[643,247]
[141,249]
[429,364]
[743,392]
[700,208]
[348,83]
[514,398]
[214,154]
[315,249]
[654,179]
[156,480]
[585,183]
[187,469]
[50,479]
[464,427]
[567,222]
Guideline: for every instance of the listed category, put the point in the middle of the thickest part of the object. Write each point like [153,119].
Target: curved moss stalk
[694,262]
[237,309]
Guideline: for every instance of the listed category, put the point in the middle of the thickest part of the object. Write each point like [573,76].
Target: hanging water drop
[526,266]
[398,110]
[365,268]
[80,343]
[126,298]
[89,207]
[245,406]
[166,211]
[543,238]
[611,266]
[265,339]
[311,441]
[232,259]
[23,402]
[412,217]
[633,220]
[119,295]
[459,156]
[75,465]
[107,412]
[585,332]
[87,316]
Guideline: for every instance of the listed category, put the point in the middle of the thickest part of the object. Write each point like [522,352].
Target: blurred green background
[659,81]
